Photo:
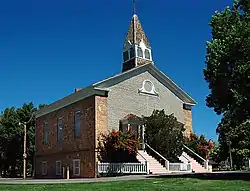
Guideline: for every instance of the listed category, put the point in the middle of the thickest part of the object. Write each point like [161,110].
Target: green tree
[165,134]
[228,62]
[239,139]
[10,136]
[199,145]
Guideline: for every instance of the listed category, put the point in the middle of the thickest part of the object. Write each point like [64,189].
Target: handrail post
[206,164]
[167,164]
[143,137]
[147,167]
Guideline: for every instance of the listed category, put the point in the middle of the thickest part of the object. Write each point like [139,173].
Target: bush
[118,147]
[165,134]
[199,145]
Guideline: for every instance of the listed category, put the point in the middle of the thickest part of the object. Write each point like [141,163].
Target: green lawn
[158,184]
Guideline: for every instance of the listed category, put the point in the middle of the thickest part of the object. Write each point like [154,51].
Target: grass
[173,184]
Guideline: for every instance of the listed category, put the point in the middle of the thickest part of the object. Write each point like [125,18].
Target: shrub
[199,145]
[165,134]
[118,147]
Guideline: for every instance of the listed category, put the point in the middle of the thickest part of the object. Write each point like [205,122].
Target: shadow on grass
[210,176]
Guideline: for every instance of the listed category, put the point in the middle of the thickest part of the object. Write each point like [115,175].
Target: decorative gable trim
[161,77]
[102,88]
[152,90]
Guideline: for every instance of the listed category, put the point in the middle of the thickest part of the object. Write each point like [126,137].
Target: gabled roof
[102,87]
[153,70]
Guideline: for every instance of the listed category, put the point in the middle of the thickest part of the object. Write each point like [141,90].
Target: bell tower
[136,49]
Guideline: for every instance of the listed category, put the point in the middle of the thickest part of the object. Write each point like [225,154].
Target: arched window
[125,56]
[147,54]
[139,52]
[132,53]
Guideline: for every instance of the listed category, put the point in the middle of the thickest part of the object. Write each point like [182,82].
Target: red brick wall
[82,147]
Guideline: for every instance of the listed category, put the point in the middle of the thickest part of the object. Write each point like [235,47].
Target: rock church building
[67,130]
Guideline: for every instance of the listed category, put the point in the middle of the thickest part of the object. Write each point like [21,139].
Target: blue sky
[48,48]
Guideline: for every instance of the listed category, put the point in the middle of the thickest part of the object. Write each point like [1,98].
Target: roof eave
[70,99]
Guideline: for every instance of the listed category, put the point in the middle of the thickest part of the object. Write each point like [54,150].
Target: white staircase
[154,166]
[196,167]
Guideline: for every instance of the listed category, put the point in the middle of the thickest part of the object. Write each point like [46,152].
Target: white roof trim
[151,68]
[101,87]
[72,98]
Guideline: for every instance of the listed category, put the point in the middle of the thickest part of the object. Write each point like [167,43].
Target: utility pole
[24,151]
[24,148]
[25,144]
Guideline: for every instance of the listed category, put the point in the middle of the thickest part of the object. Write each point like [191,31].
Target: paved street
[226,175]
[60,181]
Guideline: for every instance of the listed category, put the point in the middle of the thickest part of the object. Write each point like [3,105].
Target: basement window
[44,168]
[76,167]
[58,168]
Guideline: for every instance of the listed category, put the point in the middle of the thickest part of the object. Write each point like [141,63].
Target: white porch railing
[125,168]
[180,167]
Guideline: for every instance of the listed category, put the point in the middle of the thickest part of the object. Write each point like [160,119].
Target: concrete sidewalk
[63,181]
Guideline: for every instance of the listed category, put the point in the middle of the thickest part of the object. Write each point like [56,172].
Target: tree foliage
[11,138]
[118,147]
[165,134]
[228,62]
[239,139]
[227,73]
[199,145]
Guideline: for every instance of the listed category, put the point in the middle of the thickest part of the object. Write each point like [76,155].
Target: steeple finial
[134,7]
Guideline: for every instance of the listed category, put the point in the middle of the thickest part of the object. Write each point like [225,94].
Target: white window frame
[44,170]
[60,170]
[74,167]
[77,112]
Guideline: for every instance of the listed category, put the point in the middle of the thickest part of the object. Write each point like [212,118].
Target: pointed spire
[136,48]
[136,33]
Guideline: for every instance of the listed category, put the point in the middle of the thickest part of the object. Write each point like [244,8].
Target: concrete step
[197,167]
[154,166]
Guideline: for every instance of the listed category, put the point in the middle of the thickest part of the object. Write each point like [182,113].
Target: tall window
[76,167]
[147,54]
[58,168]
[132,53]
[44,168]
[59,129]
[77,123]
[139,52]
[45,133]
[125,56]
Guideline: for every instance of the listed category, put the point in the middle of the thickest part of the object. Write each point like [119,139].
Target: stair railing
[204,160]
[166,161]
[146,162]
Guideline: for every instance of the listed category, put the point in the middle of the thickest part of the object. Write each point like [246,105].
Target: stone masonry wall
[124,99]
[101,116]
[188,121]
[72,147]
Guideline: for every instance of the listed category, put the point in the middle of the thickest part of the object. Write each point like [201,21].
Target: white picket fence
[180,167]
[125,168]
